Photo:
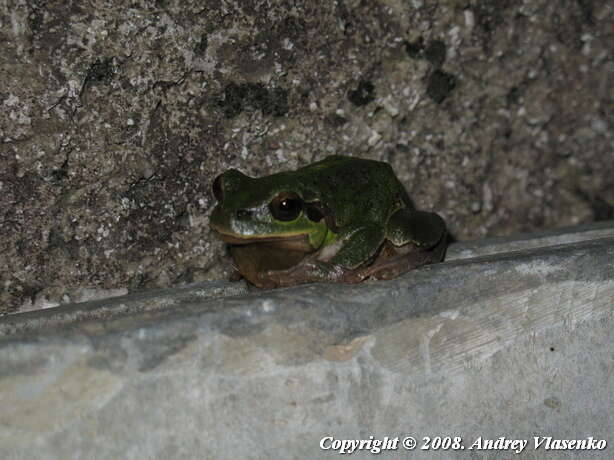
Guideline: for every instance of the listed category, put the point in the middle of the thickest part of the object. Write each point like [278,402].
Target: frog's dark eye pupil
[286,206]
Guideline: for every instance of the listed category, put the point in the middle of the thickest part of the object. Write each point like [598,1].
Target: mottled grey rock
[116,116]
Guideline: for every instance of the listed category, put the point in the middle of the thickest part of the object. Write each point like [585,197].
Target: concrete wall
[515,344]
[116,116]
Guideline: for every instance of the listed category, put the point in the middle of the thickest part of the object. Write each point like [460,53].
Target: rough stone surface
[116,116]
[515,345]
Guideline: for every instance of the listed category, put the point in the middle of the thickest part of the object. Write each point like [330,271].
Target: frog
[342,219]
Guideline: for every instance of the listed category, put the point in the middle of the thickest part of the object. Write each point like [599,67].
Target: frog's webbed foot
[310,270]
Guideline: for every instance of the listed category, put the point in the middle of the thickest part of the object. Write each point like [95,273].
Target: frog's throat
[298,242]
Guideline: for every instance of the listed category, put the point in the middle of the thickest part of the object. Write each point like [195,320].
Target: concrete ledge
[161,300]
[515,345]
[497,245]
[147,302]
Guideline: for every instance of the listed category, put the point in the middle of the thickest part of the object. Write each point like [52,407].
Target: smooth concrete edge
[105,309]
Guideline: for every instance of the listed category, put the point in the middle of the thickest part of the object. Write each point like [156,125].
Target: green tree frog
[342,219]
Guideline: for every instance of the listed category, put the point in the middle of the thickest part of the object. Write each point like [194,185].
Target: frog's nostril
[243,214]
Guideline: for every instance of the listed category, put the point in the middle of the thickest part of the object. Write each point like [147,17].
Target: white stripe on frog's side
[330,251]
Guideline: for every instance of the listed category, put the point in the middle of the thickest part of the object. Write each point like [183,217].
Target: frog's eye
[286,206]
[217,188]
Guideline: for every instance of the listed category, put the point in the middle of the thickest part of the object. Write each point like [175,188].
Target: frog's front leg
[331,264]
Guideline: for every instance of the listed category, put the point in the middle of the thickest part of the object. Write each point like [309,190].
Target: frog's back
[354,187]
[348,172]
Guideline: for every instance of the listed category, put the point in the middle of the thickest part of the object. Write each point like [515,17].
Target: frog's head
[271,209]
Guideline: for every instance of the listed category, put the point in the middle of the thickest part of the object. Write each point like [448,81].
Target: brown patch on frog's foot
[310,270]
[263,283]
[235,274]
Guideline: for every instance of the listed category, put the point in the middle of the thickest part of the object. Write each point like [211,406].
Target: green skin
[356,221]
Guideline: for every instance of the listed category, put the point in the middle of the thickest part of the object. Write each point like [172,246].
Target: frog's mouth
[299,242]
